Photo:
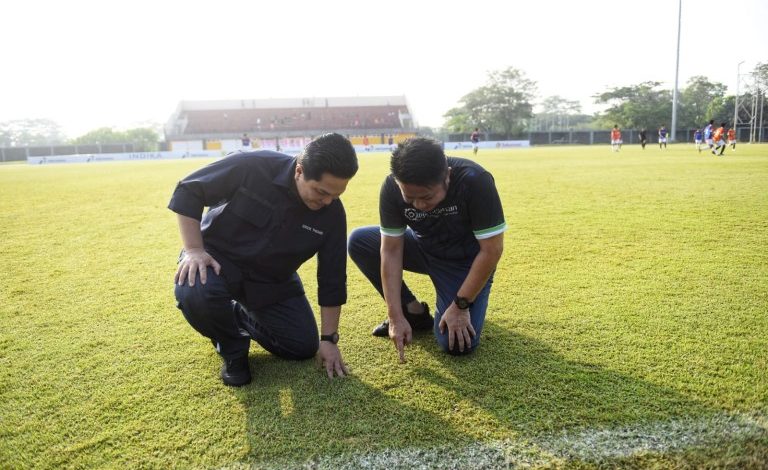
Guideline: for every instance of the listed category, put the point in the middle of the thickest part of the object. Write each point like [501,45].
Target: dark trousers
[447,276]
[286,329]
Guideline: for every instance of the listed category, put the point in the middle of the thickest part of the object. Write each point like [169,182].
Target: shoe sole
[382,331]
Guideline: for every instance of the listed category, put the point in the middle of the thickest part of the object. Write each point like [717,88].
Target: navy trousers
[286,329]
[447,277]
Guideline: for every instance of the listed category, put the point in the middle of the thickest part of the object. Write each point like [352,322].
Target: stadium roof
[289,117]
[277,103]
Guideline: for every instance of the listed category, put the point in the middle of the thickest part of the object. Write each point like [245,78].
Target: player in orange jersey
[616,138]
[718,137]
[732,138]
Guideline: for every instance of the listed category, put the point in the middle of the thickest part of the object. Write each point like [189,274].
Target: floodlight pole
[677,71]
[762,105]
[736,101]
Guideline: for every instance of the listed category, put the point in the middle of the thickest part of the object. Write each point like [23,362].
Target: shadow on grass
[531,389]
[295,414]
[512,387]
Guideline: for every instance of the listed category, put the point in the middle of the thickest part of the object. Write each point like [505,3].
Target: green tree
[509,95]
[637,106]
[103,135]
[700,101]
[558,113]
[144,139]
[30,132]
[761,72]
[502,105]
[457,120]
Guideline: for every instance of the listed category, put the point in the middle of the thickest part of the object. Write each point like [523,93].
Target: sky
[109,63]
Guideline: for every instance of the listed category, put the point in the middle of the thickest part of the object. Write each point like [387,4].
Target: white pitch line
[589,445]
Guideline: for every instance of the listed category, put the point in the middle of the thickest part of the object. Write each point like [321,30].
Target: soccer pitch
[628,326]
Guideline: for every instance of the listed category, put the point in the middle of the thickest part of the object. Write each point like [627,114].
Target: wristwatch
[333,337]
[462,302]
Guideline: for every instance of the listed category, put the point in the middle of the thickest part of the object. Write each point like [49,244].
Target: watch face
[333,338]
[462,303]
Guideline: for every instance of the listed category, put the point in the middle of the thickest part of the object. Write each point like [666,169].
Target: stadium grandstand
[287,123]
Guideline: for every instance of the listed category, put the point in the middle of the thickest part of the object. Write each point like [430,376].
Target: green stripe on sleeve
[392,232]
[489,232]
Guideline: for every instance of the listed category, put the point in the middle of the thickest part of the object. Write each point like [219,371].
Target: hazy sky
[89,64]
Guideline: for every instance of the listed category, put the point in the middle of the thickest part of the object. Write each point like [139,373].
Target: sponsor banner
[112,157]
[374,148]
[488,144]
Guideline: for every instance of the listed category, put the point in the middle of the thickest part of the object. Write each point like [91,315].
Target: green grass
[633,291]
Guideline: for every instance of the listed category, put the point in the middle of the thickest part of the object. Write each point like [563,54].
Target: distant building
[287,123]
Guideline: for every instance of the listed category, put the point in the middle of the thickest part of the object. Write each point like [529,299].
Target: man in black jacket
[236,278]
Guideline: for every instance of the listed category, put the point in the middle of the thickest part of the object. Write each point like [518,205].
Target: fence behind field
[629,136]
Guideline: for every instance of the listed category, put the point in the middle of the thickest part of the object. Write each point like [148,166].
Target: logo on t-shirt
[415,215]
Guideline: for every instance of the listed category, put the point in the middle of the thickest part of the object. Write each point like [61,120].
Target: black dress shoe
[236,372]
[418,322]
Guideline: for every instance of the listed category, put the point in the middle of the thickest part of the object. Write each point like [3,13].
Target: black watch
[333,337]
[462,302]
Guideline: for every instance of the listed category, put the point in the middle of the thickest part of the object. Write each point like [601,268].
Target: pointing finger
[400,349]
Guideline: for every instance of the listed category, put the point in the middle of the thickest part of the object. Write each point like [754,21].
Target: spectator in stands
[236,278]
[246,141]
[442,217]
[475,138]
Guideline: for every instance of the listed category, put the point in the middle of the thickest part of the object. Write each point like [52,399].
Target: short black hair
[420,161]
[330,153]
[723,124]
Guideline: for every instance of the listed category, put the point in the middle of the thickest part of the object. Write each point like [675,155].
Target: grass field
[628,327]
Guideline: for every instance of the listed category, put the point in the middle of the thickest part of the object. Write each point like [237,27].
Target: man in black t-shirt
[441,217]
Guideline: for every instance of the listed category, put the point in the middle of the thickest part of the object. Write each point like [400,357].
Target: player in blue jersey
[440,216]
[708,131]
[663,136]
[697,139]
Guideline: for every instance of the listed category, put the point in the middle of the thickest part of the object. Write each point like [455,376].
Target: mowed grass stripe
[633,291]
[706,441]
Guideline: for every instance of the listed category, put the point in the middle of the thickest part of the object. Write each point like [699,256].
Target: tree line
[46,132]
[505,105]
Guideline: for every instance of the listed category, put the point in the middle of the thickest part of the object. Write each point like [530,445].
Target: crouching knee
[298,350]
[443,342]
[363,242]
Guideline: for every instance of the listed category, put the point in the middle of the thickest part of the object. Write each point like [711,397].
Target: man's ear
[299,171]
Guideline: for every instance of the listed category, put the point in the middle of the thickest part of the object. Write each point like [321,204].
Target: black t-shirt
[471,211]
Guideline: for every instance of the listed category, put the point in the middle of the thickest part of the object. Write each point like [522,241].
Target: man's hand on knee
[195,262]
